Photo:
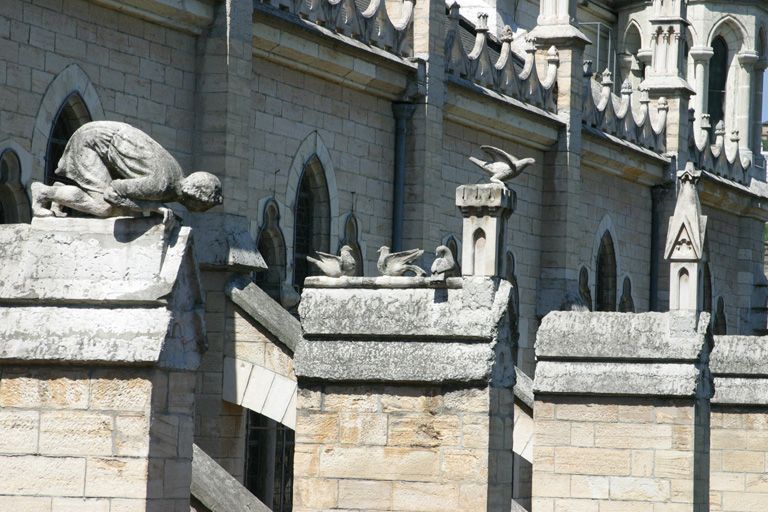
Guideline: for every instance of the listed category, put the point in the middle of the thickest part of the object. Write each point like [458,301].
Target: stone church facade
[351,123]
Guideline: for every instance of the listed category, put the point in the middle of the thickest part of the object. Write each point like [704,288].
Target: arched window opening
[478,241]
[14,205]
[269,462]
[272,249]
[313,220]
[584,293]
[626,302]
[718,79]
[351,239]
[683,289]
[72,115]
[605,283]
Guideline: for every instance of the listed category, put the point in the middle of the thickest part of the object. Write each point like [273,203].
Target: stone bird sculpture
[443,265]
[398,263]
[335,266]
[504,166]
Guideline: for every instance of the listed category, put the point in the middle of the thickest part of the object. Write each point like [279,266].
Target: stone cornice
[185,15]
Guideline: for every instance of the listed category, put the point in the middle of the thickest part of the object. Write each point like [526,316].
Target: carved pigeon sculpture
[398,263]
[335,266]
[443,264]
[504,166]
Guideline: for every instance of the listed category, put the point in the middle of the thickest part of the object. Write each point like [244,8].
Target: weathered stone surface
[523,387]
[645,336]
[224,241]
[90,260]
[601,378]
[740,355]
[470,312]
[741,391]
[373,361]
[264,310]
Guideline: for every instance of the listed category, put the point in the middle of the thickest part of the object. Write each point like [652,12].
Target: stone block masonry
[97,382]
[409,432]
[621,413]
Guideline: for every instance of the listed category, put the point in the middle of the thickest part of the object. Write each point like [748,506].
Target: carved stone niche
[485,208]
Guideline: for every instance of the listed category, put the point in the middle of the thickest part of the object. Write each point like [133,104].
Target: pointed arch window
[312,219]
[605,282]
[272,248]
[71,116]
[14,205]
[718,79]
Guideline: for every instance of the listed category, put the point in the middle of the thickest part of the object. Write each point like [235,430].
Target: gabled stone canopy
[687,226]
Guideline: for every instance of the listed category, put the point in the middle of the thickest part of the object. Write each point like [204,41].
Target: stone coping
[472,311]
[745,356]
[372,361]
[740,391]
[381,282]
[623,379]
[631,337]
[224,241]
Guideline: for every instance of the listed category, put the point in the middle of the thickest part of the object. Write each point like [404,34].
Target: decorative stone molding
[616,115]
[503,75]
[721,158]
[484,208]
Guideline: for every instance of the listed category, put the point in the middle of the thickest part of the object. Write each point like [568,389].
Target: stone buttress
[101,330]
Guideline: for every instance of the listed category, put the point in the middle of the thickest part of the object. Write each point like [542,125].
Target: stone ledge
[430,362]
[740,355]
[625,379]
[382,282]
[621,336]
[472,312]
[224,241]
[740,391]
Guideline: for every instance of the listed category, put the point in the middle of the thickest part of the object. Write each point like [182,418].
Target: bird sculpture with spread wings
[398,263]
[444,264]
[335,266]
[503,166]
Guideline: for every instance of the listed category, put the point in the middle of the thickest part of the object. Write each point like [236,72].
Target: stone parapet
[101,328]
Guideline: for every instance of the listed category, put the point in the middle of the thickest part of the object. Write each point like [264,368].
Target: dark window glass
[718,78]
[269,462]
[72,115]
[605,284]
[312,221]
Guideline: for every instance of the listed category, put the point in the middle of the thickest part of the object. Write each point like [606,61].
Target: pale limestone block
[673,464]
[720,481]
[592,461]
[465,465]
[468,400]
[120,394]
[116,477]
[315,493]
[552,433]
[592,487]
[279,396]
[19,431]
[36,475]
[314,427]
[627,435]
[350,399]
[636,414]
[310,399]
[67,389]
[19,503]
[756,483]
[582,434]
[682,490]
[248,351]
[586,412]
[549,485]
[132,436]
[627,506]
[744,502]
[257,389]
[128,505]
[425,497]
[380,463]
[682,437]
[639,489]
[306,459]
[358,494]
[80,505]
[544,459]
[473,496]
[424,431]
[236,376]
[743,461]
[475,430]
[363,428]
[575,505]
[394,401]
[642,462]
[75,433]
